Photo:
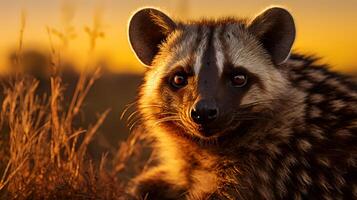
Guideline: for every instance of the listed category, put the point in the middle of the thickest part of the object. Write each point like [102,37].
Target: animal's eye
[179,80]
[239,80]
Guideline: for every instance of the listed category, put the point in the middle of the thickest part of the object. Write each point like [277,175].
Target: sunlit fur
[283,146]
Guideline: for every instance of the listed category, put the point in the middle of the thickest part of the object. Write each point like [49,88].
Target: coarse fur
[289,133]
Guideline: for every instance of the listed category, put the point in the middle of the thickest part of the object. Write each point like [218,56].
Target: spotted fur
[298,141]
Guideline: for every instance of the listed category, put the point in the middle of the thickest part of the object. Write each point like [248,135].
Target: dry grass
[43,155]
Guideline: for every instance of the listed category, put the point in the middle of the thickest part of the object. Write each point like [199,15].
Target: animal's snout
[204,111]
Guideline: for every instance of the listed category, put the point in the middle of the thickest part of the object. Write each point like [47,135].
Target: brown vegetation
[44,153]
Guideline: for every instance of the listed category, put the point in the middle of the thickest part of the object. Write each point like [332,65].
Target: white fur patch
[200,51]
[219,51]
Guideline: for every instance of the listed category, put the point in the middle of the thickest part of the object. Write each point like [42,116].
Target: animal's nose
[204,112]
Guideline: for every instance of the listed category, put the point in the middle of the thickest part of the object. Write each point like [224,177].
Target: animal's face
[208,78]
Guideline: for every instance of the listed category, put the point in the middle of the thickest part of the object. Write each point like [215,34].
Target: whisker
[133,119]
[151,106]
[168,117]
[127,107]
[134,124]
[132,115]
[167,120]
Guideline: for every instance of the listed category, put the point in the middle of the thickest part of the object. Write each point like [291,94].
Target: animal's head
[207,78]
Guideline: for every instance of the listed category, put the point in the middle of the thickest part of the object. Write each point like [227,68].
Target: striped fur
[300,144]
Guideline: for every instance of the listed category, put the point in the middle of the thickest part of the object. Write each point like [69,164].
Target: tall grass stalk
[43,155]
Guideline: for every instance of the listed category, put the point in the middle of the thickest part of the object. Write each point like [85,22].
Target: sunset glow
[325,28]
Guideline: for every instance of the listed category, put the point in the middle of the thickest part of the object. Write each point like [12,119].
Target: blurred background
[325,28]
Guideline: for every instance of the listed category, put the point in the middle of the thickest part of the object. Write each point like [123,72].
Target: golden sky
[326,28]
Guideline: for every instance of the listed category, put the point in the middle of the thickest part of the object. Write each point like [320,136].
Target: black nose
[204,112]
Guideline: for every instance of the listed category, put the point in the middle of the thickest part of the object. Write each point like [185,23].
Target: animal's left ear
[275,29]
[148,28]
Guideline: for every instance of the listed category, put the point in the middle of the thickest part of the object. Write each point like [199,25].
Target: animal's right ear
[148,28]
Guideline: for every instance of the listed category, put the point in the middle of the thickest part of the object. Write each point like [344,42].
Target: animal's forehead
[212,45]
[189,35]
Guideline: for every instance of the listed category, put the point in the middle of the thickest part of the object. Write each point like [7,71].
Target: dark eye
[239,80]
[179,80]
